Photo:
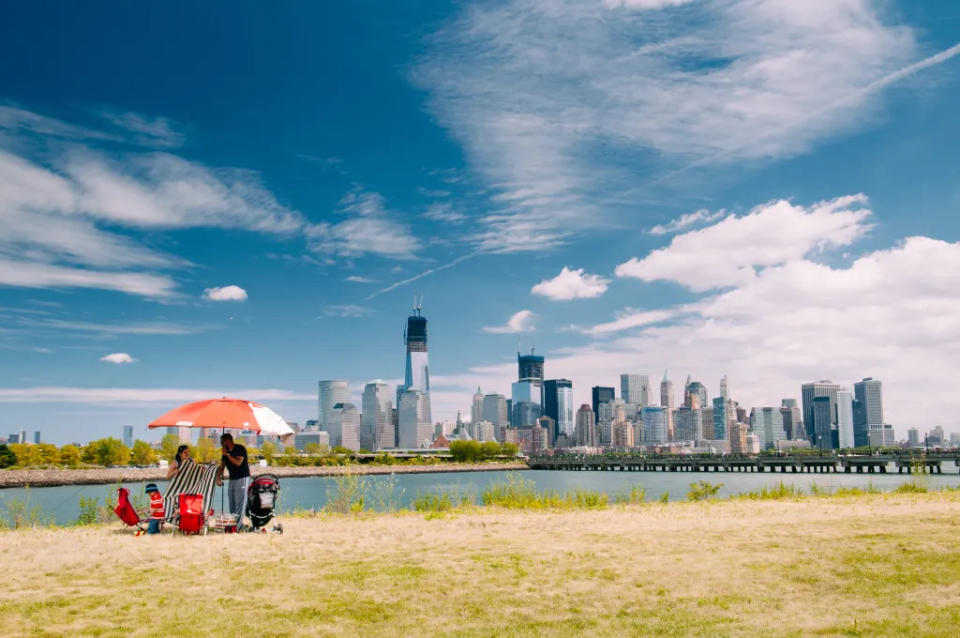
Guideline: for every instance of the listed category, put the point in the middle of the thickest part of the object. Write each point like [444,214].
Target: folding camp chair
[189,497]
[126,511]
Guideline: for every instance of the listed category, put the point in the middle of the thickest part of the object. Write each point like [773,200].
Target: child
[157,513]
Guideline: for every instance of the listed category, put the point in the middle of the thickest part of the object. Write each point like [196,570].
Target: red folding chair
[191,519]
[126,511]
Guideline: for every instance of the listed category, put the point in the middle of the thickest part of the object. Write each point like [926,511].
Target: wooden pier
[807,463]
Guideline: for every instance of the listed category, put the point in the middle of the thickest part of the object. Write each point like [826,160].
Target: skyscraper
[867,409]
[600,394]
[527,393]
[688,424]
[824,409]
[824,429]
[558,405]
[723,412]
[667,401]
[344,426]
[792,421]
[767,424]
[476,413]
[127,435]
[846,437]
[585,432]
[376,431]
[414,428]
[417,371]
[632,388]
[654,425]
[331,393]
[695,389]
[495,411]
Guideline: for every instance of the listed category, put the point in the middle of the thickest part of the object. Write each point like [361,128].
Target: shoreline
[109,476]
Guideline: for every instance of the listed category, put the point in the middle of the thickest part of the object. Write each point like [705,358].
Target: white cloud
[108,329]
[550,127]
[17,120]
[571,284]
[344,310]
[225,293]
[444,212]
[645,4]
[118,357]
[729,252]
[370,228]
[359,279]
[522,321]
[685,221]
[158,132]
[630,318]
[25,274]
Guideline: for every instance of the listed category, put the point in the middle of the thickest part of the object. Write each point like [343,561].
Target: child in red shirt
[157,512]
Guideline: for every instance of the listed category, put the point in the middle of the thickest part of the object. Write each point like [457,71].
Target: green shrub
[702,490]
[780,492]
[7,457]
[636,496]
[664,498]
[89,510]
[910,488]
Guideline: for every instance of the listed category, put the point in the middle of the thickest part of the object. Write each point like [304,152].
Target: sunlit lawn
[876,565]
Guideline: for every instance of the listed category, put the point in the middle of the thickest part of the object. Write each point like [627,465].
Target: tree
[489,450]
[69,455]
[206,451]
[509,449]
[7,457]
[465,451]
[142,454]
[47,453]
[314,449]
[268,450]
[168,446]
[109,451]
[27,455]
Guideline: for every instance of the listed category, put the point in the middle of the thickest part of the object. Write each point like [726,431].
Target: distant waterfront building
[416,376]
[526,393]
[585,431]
[667,401]
[622,435]
[752,443]
[695,390]
[600,394]
[13,437]
[495,411]
[344,426]
[558,405]
[36,437]
[845,431]
[302,439]
[329,394]
[882,435]
[706,422]
[824,410]
[485,432]
[822,429]
[738,438]
[767,424]
[792,419]
[688,424]
[867,408]
[377,432]
[635,388]
[936,436]
[127,435]
[913,438]
[414,429]
[723,411]
[654,425]
[476,413]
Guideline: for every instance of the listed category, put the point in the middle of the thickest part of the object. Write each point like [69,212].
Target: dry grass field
[876,565]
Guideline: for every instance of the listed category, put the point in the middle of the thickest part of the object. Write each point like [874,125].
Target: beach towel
[193,478]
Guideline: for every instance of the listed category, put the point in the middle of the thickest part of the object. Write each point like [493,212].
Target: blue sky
[245,198]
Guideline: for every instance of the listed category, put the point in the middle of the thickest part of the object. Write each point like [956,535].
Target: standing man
[234,458]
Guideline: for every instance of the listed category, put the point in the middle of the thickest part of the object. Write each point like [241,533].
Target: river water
[61,505]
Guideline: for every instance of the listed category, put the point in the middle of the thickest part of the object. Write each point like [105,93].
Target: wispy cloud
[656,84]
[124,396]
[359,279]
[111,329]
[369,228]
[421,275]
[522,321]
[702,216]
[343,311]
[157,132]
[444,212]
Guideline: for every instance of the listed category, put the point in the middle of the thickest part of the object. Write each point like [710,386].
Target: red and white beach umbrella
[226,414]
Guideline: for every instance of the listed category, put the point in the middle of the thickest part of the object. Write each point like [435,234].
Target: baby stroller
[262,502]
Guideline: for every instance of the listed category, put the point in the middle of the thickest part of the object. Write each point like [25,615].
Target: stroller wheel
[278,528]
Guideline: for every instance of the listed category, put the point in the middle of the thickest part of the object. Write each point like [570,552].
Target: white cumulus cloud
[730,252]
[225,293]
[118,357]
[571,284]
[522,321]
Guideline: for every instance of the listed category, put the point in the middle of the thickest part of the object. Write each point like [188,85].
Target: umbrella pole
[222,488]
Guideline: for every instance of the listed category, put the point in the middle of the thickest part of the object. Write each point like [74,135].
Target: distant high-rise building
[330,393]
[738,438]
[867,408]
[688,424]
[527,393]
[723,412]
[634,388]
[377,432]
[127,435]
[495,411]
[695,389]
[621,435]
[414,429]
[706,420]
[767,424]
[343,426]
[913,438]
[936,436]
[601,394]
[13,437]
[654,425]
[529,366]
[809,392]
[824,409]
[881,435]
[845,432]
[36,436]
[558,405]
[792,420]
[416,377]
[667,401]
[476,413]
[585,432]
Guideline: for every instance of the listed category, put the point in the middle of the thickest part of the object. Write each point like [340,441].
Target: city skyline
[247,211]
